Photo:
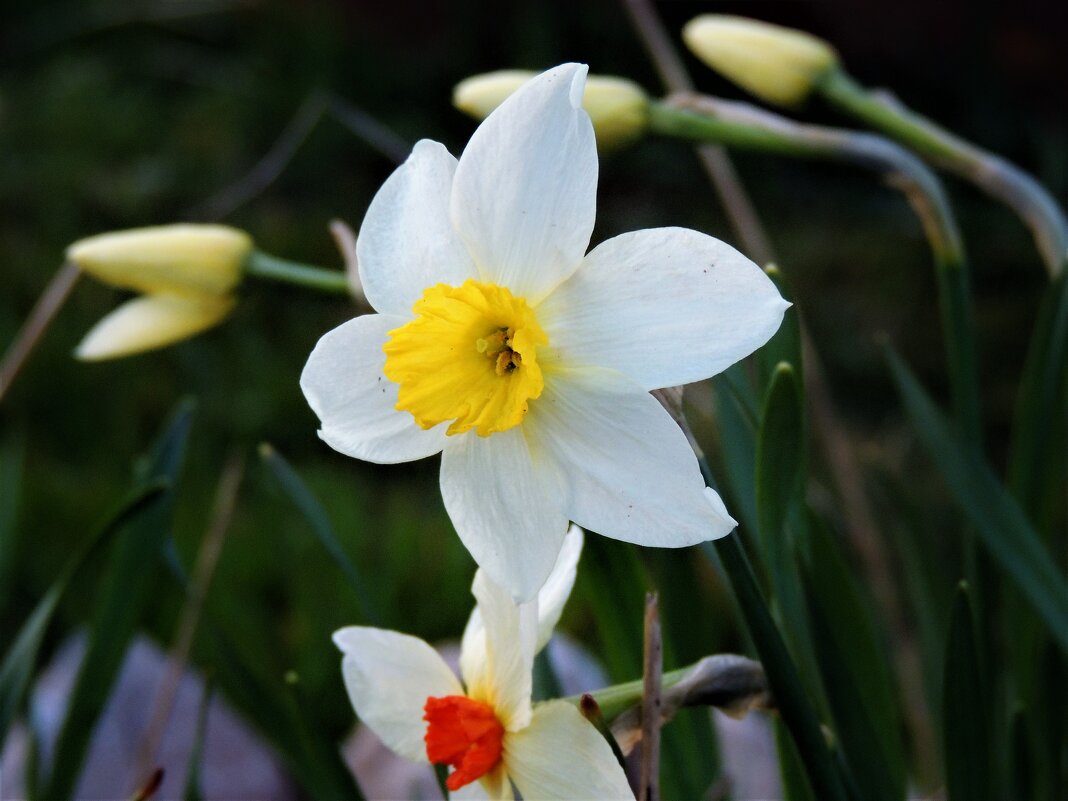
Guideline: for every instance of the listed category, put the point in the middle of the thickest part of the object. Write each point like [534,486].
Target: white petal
[525,193]
[505,507]
[631,474]
[560,755]
[505,681]
[552,597]
[494,786]
[389,676]
[557,588]
[152,321]
[356,403]
[666,306]
[406,241]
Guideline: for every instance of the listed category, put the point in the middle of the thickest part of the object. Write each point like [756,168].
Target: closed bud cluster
[185,274]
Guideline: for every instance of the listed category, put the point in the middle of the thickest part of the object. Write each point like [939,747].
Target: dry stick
[368,128]
[845,468]
[54,296]
[267,169]
[649,766]
[203,571]
[717,164]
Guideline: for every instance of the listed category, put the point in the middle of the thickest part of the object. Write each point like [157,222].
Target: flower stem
[272,268]
[991,173]
[740,125]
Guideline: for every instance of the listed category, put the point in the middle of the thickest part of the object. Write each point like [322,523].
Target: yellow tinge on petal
[618,108]
[469,356]
[779,65]
[152,321]
[183,259]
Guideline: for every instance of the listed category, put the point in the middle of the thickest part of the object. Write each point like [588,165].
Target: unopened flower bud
[778,65]
[618,108]
[152,321]
[179,259]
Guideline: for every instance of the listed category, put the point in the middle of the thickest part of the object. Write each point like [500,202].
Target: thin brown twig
[715,161]
[203,572]
[48,305]
[267,169]
[649,766]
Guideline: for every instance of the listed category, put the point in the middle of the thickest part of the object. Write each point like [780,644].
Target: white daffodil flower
[486,729]
[526,361]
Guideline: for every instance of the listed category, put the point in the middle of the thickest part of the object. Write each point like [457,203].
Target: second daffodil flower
[525,361]
[486,728]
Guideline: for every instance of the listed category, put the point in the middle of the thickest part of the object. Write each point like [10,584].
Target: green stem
[620,697]
[272,268]
[740,125]
[991,173]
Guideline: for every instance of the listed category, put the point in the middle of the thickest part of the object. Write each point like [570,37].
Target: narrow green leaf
[780,455]
[21,657]
[12,455]
[794,705]
[1041,395]
[795,786]
[779,480]
[297,491]
[999,522]
[737,419]
[966,704]
[1022,765]
[856,680]
[129,583]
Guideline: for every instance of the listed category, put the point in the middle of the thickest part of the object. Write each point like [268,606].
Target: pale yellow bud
[178,259]
[152,321]
[778,65]
[618,108]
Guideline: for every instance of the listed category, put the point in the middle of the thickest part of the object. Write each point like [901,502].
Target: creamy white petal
[631,474]
[552,597]
[494,786]
[389,676]
[666,306]
[505,681]
[407,242]
[505,506]
[560,755]
[525,192]
[152,321]
[356,403]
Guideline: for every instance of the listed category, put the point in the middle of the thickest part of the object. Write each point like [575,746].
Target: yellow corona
[469,356]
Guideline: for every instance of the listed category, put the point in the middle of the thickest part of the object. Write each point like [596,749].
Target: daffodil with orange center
[526,361]
[485,729]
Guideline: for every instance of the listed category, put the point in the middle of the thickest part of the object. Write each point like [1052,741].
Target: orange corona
[464,734]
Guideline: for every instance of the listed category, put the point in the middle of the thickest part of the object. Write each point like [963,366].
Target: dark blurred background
[115,115]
